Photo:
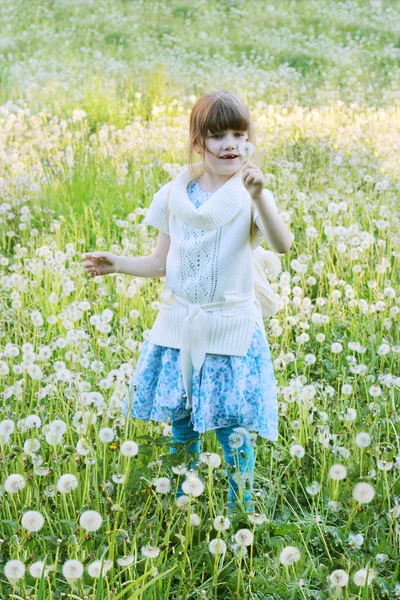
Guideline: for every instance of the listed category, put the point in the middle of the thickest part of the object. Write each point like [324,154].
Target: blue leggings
[182,431]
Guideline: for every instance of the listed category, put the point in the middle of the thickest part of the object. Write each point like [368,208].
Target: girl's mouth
[229,158]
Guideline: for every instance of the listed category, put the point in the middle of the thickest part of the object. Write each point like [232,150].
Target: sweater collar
[222,206]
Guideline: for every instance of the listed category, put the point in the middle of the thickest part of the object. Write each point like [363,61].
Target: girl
[206,363]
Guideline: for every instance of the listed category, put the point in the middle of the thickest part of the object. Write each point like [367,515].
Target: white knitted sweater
[209,305]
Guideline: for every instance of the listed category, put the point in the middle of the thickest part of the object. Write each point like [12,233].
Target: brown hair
[217,111]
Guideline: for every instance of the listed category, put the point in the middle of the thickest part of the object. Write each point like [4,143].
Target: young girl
[206,363]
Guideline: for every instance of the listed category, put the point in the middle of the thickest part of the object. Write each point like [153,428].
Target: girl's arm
[147,266]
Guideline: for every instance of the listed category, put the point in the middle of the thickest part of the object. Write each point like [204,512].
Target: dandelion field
[95,99]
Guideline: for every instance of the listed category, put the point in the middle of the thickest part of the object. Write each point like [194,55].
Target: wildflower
[313,488]
[58,427]
[244,537]
[36,569]
[72,569]
[236,439]
[217,546]
[163,485]
[221,523]
[336,347]
[14,483]
[384,465]
[210,458]
[179,469]
[33,422]
[6,429]
[67,483]
[97,568]
[297,451]
[90,520]
[194,520]
[129,448]
[256,518]
[14,570]
[106,435]
[193,486]
[363,492]
[360,577]
[31,446]
[118,478]
[32,520]
[289,555]
[150,552]
[363,439]
[337,472]
[83,447]
[339,578]
[126,561]
[356,540]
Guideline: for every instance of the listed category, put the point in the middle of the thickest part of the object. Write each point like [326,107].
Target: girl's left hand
[253,180]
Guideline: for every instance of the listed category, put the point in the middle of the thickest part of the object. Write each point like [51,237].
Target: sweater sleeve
[257,237]
[156,214]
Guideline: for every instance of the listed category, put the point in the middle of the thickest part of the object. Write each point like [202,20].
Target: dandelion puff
[179,469]
[337,472]
[58,427]
[297,451]
[194,520]
[336,347]
[126,561]
[90,520]
[36,569]
[72,569]
[129,448]
[193,486]
[313,488]
[163,485]
[31,446]
[211,459]
[384,465]
[217,546]
[289,555]
[67,483]
[6,429]
[182,500]
[244,537]
[363,492]
[83,447]
[221,523]
[339,578]
[150,551]
[33,422]
[97,568]
[236,439]
[14,483]
[360,577]
[14,570]
[118,478]
[363,439]
[32,520]
[106,435]
[256,518]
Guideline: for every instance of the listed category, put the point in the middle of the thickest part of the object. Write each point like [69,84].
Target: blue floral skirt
[228,390]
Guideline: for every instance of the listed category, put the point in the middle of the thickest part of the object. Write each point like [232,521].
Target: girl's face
[229,142]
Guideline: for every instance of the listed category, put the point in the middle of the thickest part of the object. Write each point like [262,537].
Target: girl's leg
[238,453]
[182,431]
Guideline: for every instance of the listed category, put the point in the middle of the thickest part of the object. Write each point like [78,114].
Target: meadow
[95,98]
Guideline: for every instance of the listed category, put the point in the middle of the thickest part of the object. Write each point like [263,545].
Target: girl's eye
[218,135]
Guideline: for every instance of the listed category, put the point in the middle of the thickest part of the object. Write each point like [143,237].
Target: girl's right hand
[100,263]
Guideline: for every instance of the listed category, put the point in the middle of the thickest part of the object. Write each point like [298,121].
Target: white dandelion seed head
[313,488]
[31,446]
[384,465]
[32,521]
[150,551]
[194,519]
[41,471]
[381,558]
[182,500]
[97,568]
[163,485]
[14,483]
[118,478]
[106,435]
[179,469]
[221,523]
[236,439]
[83,447]
[126,561]
[289,555]
[363,492]
[52,438]
[72,569]
[336,347]
[210,458]
[6,430]
[217,546]
[356,540]
[90,520]
[58,427]
[334,506]
[246,149]
[36,569]
[297,451]
[350,415]
[339,578]
[337,472]
[363,439]
[67,483]
[193,486]
[14,570]
[33,422]
[129,448]
[244,537]
[257,518]
[360,577]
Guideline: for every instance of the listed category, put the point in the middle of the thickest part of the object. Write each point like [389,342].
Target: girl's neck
[210,182]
